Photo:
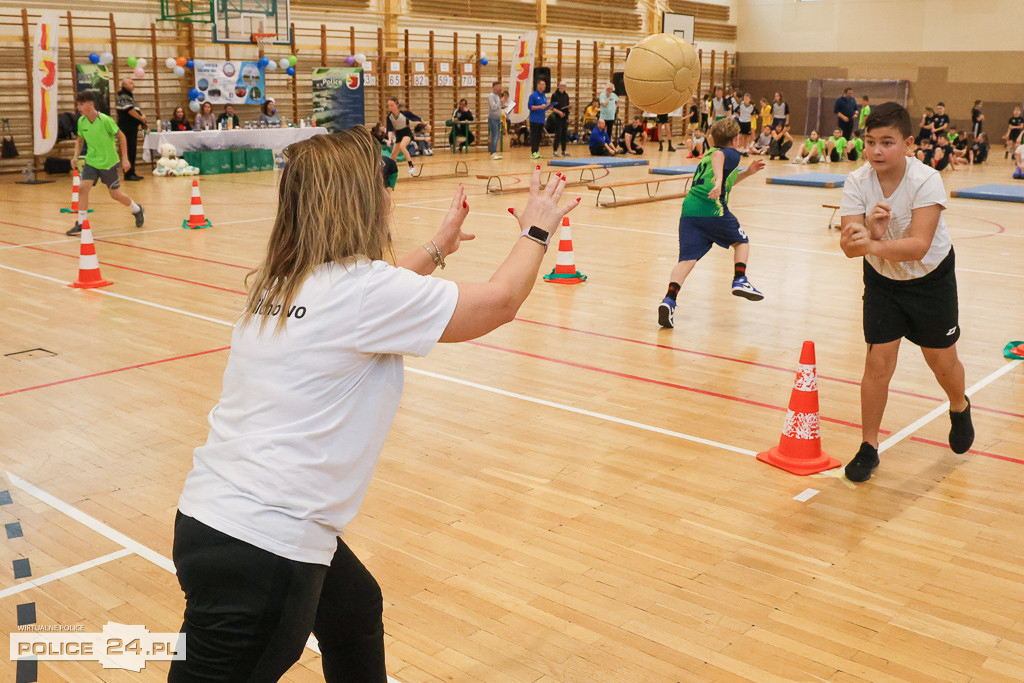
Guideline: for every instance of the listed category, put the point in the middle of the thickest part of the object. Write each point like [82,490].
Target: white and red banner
[521,76]
[44,86]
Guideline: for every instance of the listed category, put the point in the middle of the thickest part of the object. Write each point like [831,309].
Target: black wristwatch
[538,235]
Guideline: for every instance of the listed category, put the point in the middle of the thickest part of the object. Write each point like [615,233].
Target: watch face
[539,233]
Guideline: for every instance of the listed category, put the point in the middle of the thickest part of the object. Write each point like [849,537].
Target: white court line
[129,545]
[582,411]
[96,237]
[122,296]
[56,576]
[939,410]
[247,220]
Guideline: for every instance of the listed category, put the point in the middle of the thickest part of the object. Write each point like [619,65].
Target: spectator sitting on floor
[782,141]
[763,143]
[421,138]
[633,135]
[697,145]
[601,142]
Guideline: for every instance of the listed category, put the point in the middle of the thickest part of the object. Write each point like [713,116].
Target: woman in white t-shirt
[311,388]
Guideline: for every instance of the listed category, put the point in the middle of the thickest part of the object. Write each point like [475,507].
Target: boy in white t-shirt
[892,216]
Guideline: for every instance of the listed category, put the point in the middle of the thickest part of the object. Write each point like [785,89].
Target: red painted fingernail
[538,167]
[579,199]
[512,211]
[465,205]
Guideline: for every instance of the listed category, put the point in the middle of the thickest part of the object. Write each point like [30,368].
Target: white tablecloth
[255,138]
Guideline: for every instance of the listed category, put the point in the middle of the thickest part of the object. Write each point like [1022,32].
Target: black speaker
[619,81]
[542,73]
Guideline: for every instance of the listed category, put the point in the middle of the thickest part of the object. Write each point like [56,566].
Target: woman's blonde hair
[332,207]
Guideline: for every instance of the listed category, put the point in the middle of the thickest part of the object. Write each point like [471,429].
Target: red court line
[724,396]
[731,359]
[171,253]
[110,372]
[135,270]
[659,382]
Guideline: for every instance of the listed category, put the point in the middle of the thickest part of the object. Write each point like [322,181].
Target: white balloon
[141,61]
[271,65]
[179,71]
[284,63]
[194,105]
[170,63]
[106,58]
[360,57]
[483,55]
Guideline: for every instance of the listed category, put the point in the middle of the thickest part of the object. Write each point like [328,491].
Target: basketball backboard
[250,21]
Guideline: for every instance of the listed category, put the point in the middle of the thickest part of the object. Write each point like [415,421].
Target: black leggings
[249,612]
[536,132]
[561,132]
[779,150]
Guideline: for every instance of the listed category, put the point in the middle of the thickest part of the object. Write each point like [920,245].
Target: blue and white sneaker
[666,313]
[742,287]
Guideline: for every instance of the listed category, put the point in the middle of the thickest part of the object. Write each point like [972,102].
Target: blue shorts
[698,233]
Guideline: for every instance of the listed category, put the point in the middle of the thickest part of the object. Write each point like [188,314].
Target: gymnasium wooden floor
[571,498]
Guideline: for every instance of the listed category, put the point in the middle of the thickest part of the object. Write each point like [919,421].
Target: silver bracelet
[436,254]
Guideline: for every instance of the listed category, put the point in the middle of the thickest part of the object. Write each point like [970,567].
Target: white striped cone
[75,183]
[565,272]
[196,218]
[88,264]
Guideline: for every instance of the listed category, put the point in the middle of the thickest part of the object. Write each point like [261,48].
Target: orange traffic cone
[75,184]
[88,265]
[565,272]
[196,219]
[799,449]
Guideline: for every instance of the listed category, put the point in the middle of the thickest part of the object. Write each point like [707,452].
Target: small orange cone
[88,265]
[799,449]
[565,272]
[75,183]
[196,218]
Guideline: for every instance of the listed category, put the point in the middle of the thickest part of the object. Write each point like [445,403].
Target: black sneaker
[661,147]
[140,217]
[671,148]
[75,230]
[961,431]
[860,467]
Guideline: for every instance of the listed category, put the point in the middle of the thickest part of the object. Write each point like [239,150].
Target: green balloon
[132,61]
[292,59]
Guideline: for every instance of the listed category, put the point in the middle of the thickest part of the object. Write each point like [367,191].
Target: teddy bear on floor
[170,165]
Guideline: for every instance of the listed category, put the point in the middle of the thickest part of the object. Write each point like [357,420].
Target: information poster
[234,82]
[338,98]
[95,77]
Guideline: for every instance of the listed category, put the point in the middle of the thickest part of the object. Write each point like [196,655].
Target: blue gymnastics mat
[810,180]
[675,170]
[999,193]
[607,162]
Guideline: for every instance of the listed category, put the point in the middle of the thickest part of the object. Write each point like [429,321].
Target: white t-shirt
[744,111]
[304,414]
[1020,153]
[921,186]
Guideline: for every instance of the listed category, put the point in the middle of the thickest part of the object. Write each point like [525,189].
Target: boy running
[892,216]
[706,219]
[101,159]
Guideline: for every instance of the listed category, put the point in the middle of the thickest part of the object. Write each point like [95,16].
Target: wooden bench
[639,200]
[525,187]
[461,171]
[831,218]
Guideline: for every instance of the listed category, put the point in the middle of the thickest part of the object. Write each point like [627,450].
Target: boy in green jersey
[863,112]
[813,150]
[835,146]
[101,158]
[706,219]
[855,150]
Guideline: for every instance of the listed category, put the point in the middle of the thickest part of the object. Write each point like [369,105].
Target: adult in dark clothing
[845,110]
[781,142]
[560,108]
[229,115]
[977,118]
[538,103]
[129,120]
[463,113]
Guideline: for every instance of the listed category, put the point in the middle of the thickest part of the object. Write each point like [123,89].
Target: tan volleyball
[662,73]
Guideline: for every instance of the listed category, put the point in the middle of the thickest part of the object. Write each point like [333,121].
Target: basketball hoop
[263,38]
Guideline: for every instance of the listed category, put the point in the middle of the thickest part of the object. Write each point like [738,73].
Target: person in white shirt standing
[892,216]
[494,119]
[311,388]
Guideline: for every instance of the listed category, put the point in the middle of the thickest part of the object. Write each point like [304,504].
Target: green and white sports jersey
[840,143]
[697,202]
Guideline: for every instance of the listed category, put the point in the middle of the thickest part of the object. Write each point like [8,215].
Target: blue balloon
[193,94]
[94,58]
[291,71]
[264,61]
[190,64]
[483,61]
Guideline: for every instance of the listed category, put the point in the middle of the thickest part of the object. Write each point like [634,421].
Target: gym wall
[955,51]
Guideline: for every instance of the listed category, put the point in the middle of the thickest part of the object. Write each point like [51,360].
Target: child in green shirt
[813,150]
[835,147]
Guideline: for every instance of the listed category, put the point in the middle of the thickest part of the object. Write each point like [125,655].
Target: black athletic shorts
[110,177]
[924,310]
[662,118]
[404,133]
[835,155]
[744,127]
[851,154]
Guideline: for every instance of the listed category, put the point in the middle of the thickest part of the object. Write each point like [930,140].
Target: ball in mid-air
[662,73]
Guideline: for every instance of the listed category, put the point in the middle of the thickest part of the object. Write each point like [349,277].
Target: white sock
[82,215]
[136,208]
